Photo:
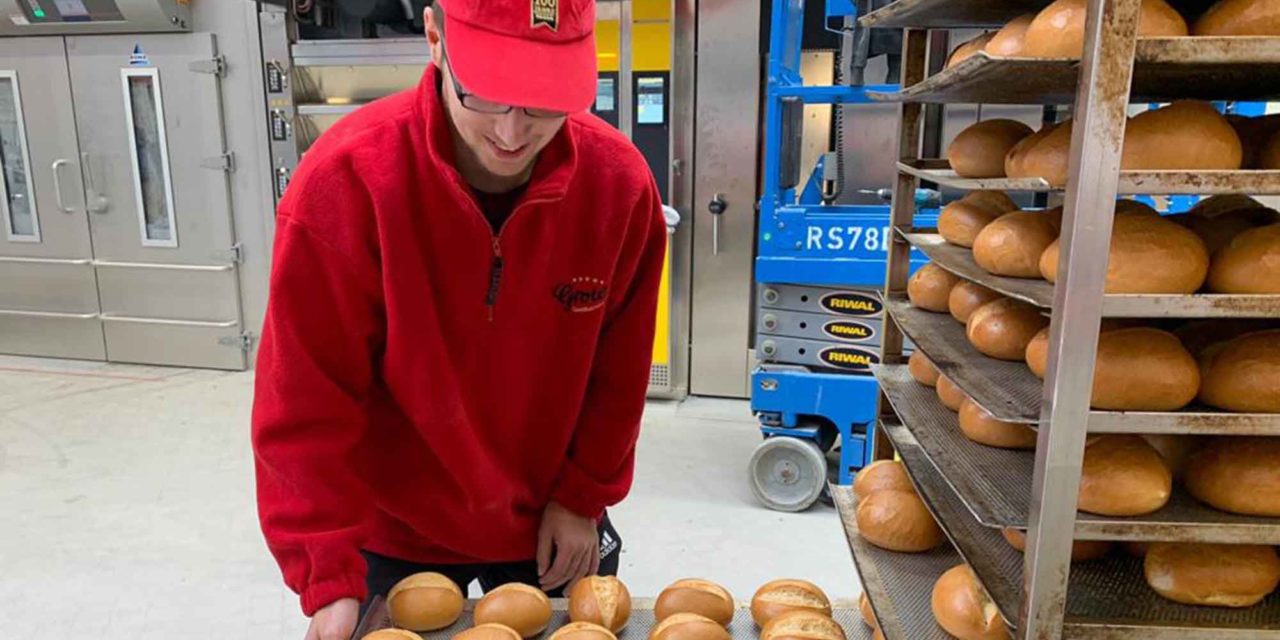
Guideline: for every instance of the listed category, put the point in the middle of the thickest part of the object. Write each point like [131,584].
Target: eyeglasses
[475,103]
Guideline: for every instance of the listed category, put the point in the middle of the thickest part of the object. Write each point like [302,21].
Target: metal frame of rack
[973,490]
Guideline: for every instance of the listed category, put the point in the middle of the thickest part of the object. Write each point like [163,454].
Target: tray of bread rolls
[1109,589]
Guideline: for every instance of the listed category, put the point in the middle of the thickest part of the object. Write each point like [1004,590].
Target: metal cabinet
[135,257]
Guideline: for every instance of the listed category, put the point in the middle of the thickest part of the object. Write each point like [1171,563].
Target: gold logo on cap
[545,13]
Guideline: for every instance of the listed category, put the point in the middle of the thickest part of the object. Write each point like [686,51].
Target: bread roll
[991,200]
[1081,550]
[1123,476]
[424,602]
[979,150]
[1244,375]
[881,474]
[689,626]
[581,631]
[702,597]
[392,634]
[1188,135]
[1148,255]
[1240,18]
[1009,40]
[1218,232]
[1238,474]
[929,287]
[1058,30]
[802,625]
[522,607]
[981,427]
[897,521]
[493,631]
[877,634]
[601,600]
[1003,328]
[1223,204]
[1037,354]
[868,614]
[1214,575]
[1175,449]
[960,222]
[968,49]
[1044,154]
[1250,263]
[778,597]
[966,297]
[922,369]
[1198,335]
[950,395]
[1012,244]
[963,609]
[1143,369]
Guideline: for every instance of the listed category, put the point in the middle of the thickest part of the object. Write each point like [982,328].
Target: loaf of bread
[979,150]
[1255,133]
[1122,475]
[1081,550]
[983,428]
[950,395]
[493,631]
[1037,354]
[1212,575]
[395,634]
[802,625]
[601,600]
[881,474]
[1239,474]
[522,607]
[922,369]
[1149,254]
[930,287]
[1009,40]
[1249,263]
[1240,18]
[1243,374]
[966,297]
[689,626]
[968,49]
[779,597]
[897,521]
[961,220]
[1012,244]
[1143,369]
[1058,30]
[1198,335]
[1188,135]
[868,614]
[1045,154]
[702,597]
[1174,448]
[577,631]
[963,608]
[425,602]
[1002,329]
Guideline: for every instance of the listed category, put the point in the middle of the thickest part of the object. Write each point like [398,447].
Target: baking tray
[942,14]
[641,623]
[959,260]
[1165,69]
[1130,183]
[899,585]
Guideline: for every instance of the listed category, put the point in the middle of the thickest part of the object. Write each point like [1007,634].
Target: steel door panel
[45,286]
[173,345]
[176,295]
[52,337]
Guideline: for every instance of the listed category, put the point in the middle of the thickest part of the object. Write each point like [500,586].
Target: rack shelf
[1106,596]
[959,260]
[328,109]
[953,14]
[1165,69]
[1131,182]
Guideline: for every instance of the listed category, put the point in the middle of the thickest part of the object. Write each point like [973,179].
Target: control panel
[69,17]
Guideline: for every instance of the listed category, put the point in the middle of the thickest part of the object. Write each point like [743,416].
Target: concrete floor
[128,507]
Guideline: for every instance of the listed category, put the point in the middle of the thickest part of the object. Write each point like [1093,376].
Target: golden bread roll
[601,600]
[1218,232]
[582,631]
[691,595]
[930,286]
[1037,354]
[1148,255]
[1123,476]
[897,521]
[689,626]
[522,607]
[1044,154]
[991,200]
[951,395]
[966,297]
[1187,135]
[968,49]
[979,150]
[1011,245]
[1198,335]
[868,614]
[877,634]
[1058,30]
[779,597]
[1213,575]
[1175,449]
[963,608]
[392,634]
[492,631]
[1240,18]
[1081,550]
[1243,374]
[922,369]
[1143,369]
[1009,40]
[1003,328]
[425,602]
[802,625]
[1249,263]
[960,221]
[1238,474]
[981,427]
[1125,205]
[881,474]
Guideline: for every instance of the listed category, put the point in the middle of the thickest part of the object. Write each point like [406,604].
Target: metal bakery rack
[974,490]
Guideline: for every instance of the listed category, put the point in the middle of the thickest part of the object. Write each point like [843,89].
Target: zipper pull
[495,279]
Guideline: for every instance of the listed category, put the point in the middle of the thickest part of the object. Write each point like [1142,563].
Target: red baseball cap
[527,53]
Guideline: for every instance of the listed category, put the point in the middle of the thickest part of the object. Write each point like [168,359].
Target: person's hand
[576,542]
[335,621]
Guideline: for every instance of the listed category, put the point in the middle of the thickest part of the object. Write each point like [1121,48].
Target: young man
[457,346]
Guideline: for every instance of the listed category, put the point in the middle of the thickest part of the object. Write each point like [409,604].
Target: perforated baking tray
[1131,182]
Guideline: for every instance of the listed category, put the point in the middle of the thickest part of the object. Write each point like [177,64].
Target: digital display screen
[605,100]
[650,101]
[71,9]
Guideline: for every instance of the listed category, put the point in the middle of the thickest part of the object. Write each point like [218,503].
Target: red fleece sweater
[424,386]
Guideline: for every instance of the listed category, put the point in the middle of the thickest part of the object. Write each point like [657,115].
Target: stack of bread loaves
[890,513]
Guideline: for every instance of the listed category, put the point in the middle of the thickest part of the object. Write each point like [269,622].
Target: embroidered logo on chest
[582,294]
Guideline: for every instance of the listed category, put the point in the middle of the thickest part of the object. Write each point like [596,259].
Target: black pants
[385,572]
